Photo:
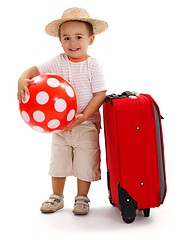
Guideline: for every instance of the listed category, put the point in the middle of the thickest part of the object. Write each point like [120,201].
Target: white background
[143,51]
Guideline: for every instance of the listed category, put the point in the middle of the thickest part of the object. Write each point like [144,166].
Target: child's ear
[60,41]
[91,39]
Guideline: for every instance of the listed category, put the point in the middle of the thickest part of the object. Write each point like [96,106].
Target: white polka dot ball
[51,104]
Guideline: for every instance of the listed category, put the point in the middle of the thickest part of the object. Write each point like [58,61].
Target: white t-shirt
[85,76]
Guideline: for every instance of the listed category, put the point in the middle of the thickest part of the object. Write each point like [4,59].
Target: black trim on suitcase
[125,94]
[160,155]
[109,191]
[128,205]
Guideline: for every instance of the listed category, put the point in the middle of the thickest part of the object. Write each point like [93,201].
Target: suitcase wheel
[128,214]
[146,211]
[128,219]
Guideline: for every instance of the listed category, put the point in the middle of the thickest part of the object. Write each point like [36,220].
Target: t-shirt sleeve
[97,77]
[49,66]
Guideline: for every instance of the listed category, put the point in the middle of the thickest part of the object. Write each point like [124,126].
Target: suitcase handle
[125,94]
[130,94]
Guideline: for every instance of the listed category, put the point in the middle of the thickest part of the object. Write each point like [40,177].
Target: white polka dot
[36,79]
[53,82]
[37,128]
[25,116]
[69,91]
[70,115]
[38,116]
[27,97]
[60,105]
[42,97]
[54,123]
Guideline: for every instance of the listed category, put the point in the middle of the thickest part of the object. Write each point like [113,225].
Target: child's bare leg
[58,185]
[83,187]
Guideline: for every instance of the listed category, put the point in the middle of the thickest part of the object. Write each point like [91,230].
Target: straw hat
[78,14]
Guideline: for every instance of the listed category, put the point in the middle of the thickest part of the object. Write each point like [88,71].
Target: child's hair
[88,25]
[90,28]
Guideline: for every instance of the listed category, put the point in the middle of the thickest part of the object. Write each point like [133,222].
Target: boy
[75,150]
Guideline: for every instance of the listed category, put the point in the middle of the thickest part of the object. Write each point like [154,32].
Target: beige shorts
[77,153]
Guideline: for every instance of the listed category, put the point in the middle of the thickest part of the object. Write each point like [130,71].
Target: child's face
[75,39]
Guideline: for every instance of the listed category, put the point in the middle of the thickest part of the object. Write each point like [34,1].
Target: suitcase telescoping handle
[125,94]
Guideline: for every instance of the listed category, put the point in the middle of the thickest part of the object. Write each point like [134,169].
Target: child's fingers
[30,81]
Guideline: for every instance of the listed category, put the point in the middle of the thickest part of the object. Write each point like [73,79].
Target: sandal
[81,205]
[54,203]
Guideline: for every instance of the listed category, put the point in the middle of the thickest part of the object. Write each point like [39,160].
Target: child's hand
[22,87]
[78,120]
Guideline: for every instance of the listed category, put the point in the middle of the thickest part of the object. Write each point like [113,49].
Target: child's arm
[92,107]
[24,80]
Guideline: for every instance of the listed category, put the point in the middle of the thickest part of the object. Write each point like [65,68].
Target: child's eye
[79,37]
[66,38]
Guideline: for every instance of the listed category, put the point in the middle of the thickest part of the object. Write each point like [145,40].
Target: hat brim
[52,28]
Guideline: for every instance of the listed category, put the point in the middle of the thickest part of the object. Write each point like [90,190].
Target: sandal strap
[82,200]
[54,197]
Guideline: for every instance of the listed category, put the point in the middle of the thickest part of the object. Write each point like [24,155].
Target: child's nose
[73,42]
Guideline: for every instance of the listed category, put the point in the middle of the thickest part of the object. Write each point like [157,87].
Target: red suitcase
[134,153]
